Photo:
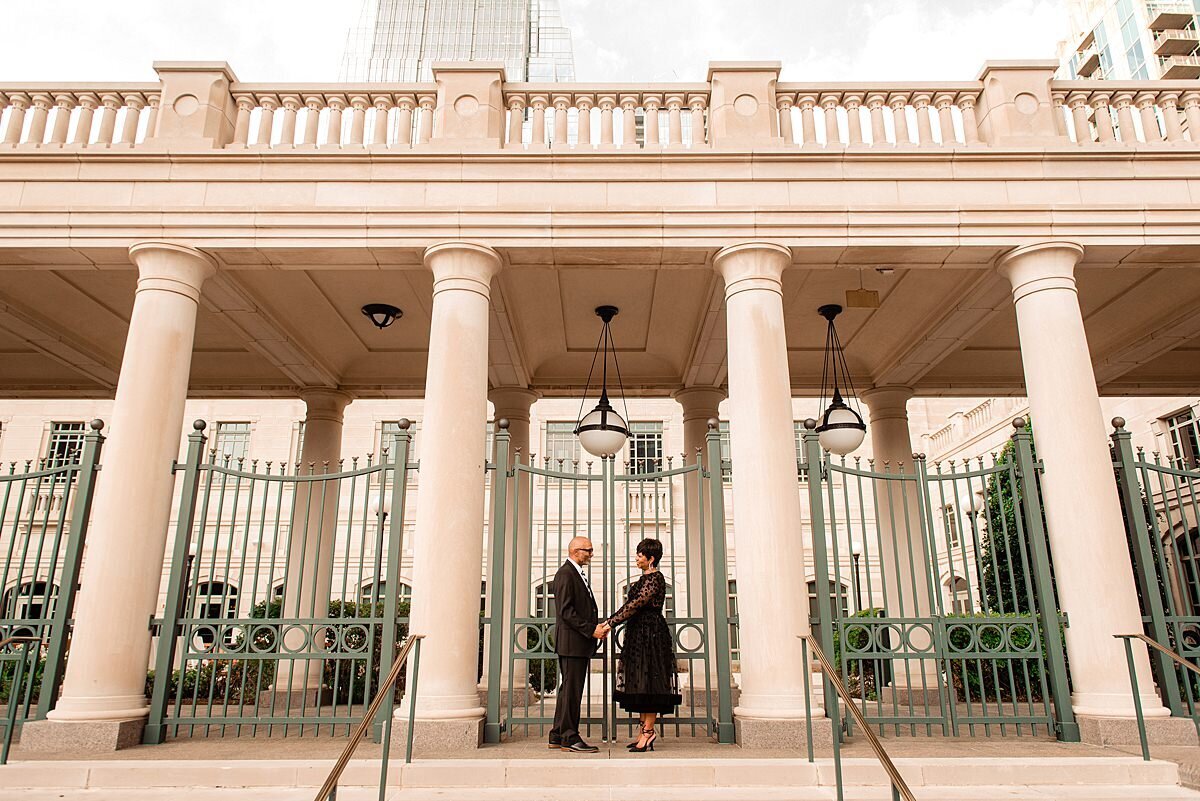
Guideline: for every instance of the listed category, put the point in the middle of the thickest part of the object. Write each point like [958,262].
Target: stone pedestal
[780,733]
[1098,730]
[71,738]
[445,737]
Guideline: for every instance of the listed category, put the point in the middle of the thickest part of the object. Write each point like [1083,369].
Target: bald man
[577,636]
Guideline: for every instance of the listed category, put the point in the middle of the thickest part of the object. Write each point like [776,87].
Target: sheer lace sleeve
[644,596]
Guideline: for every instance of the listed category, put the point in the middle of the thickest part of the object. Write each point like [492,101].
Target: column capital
[699,403]
[1045,265]
[513,403]
[172,267]
[462,265]
[752,265]
[887,402]
[324,403]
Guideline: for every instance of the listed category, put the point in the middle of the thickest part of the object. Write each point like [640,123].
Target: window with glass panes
[646,447]
[65,444]
[1183,430]
[735,643]
[299,446]
[798,428]
[951,522]
[836,593]
[726,460]
[388,430]
[232,440]
[1131,35]
[562,446]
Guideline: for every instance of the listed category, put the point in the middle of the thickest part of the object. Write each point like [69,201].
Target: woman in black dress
[646,679]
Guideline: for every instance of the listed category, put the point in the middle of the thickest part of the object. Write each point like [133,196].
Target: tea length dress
[646,679]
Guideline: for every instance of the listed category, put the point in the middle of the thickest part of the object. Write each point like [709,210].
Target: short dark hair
[651,549]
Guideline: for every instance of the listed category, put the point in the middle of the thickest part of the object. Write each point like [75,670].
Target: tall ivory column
[1083,513]
[448,541]
[103,696]
[312,539]
[513,404]
[901,547]
[700,404]
[772,602]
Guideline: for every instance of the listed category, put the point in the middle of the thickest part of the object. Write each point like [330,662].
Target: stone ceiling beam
[49,338]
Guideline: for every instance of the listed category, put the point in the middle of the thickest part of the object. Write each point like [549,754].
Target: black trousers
[570,696]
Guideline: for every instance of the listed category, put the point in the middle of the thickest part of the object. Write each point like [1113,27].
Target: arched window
[958,593]
[837,594]
[365,592]
[1187,570]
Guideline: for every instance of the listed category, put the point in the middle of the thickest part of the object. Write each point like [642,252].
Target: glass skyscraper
[398,40]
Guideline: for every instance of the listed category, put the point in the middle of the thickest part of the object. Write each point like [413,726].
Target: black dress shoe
[580,747]
[555,742]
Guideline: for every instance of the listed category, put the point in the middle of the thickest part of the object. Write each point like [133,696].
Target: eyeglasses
[585,550]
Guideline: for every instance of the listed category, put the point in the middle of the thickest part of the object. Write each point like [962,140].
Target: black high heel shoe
[649,743]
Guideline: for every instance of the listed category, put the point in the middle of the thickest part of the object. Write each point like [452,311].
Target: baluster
[560,109]
[88,103]
[358,119]
[1168,102]
[833,136]
[425,131]
[606,103]
[1125,128]
[1077,102]
[63,103]
[629,104]
[584,104]
[383,105]
[924,124]
[674,121]
[1191,108]
[41,114]
[266,120]
[875,104]
[651,104]
[312,118]
[966,106]
[287,128]
[944,103]
[1150,129]
[108,118]
[1103,117]
[698,103]
[516,120]
[899,106]
[241,126]
[134,103]
[852,104]
[1060,117]
[538,133]
[404,120]
[783,105]
[16,117]
[333,125]
[152,101]
[808,123]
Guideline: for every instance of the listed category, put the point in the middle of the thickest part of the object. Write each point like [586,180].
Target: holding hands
[602,631]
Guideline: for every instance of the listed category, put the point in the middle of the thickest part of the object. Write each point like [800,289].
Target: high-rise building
[398,40]
[1131,39]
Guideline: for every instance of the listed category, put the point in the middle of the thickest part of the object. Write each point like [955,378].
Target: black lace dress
[646,678]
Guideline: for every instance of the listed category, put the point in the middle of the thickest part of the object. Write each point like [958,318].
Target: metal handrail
[10,721]
[328,791]
[1137,698]
[900,788]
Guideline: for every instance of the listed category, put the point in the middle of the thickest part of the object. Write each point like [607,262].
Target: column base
[1097,730]
[440,736]
[782,733]
[73,737]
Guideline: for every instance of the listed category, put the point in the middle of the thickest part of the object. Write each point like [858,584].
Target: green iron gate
[615,506]
[938,605]
[283,607]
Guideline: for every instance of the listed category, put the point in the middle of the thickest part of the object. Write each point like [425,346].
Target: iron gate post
[81,512]
[387,652]
[1144,563]
[1031,505]
[493,727]
[725,730]
[825,601]
[156,730]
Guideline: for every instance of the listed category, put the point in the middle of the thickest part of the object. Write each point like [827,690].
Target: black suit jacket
[575,614]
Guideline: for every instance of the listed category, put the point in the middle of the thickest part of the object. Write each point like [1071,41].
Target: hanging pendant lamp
[602,432]
[841,428]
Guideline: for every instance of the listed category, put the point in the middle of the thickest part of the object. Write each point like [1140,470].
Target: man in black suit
[577,636]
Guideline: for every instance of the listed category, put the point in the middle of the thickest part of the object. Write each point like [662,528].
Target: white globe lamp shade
[977,503]
[841,430]
[602,432]
[378,505]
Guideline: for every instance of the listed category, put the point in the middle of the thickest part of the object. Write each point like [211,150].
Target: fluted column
[110,645]
[448,541]
[1083,514]
[772,601]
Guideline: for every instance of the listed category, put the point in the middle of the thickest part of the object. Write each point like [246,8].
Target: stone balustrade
[81,115]
[627,117]
[878,115]
[1099,113]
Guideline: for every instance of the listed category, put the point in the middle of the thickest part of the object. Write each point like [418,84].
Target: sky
[615,40]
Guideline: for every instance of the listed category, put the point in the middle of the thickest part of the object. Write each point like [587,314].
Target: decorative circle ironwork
[988,641]
[292,643]
[263,638]
[680,644]
[857,638]
[961,637]
[919,638]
